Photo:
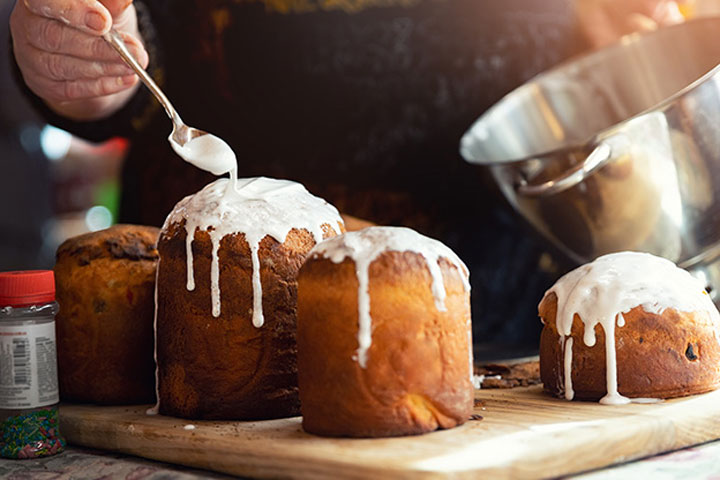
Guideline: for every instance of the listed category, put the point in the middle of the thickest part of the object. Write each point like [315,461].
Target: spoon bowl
[182,134]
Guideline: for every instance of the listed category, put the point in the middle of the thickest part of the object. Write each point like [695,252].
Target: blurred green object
[107,195]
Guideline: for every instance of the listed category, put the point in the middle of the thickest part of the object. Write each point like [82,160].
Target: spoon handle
[116,41]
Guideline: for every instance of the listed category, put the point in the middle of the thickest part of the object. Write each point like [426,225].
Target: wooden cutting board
[524,433]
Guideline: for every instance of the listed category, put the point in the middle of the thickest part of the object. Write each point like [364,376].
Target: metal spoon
[181,133]
[211,153]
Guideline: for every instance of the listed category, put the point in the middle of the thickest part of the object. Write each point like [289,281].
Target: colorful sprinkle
[31,435]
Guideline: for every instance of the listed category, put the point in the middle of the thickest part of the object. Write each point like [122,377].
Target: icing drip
[258,319]
[602,291]
[364,246]
[362,267]
[215,279]
[569,394]
[189,260]
[612,397]
[156,408]
[256,207]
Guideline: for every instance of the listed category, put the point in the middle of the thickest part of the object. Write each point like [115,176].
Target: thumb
[116,7]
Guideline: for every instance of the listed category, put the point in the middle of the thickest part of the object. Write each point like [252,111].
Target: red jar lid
[29,287]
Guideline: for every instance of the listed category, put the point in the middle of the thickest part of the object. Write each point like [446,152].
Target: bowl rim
[610,50]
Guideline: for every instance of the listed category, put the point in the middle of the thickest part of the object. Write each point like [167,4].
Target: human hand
[64,59]
[606,21]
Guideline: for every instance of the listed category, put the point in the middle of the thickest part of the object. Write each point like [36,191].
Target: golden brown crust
[224,367]
[418,369]
[658,356]
[130,242]
[105,282]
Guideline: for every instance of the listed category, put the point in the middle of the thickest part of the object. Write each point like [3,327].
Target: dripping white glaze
[207,152]
[569,394]
[256,207]
[156,408]
[612,397]
[602,291]
[364,246]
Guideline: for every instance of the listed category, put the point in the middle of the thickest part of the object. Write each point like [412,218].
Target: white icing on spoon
[207,152]
[364,246]
[602,291]
[256,207]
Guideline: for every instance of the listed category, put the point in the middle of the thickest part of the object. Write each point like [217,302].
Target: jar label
[28,366]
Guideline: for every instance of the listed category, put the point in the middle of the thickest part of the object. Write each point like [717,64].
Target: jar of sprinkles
[28,366]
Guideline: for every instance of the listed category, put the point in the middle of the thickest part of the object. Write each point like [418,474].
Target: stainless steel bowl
[618,149]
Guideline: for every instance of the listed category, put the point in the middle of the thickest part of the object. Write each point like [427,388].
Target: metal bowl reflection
[618,149]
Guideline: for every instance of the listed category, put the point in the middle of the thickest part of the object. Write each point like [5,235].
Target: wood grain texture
[524,434]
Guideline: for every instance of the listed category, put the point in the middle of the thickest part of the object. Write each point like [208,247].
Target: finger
[89,16]
[82,89]
[116,7]
[52,36]
[63,67]
[70,90]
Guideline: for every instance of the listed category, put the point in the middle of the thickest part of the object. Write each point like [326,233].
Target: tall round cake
[105,282]
[226,297]
[384,337]
[629,325]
